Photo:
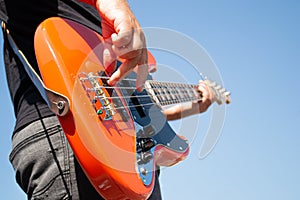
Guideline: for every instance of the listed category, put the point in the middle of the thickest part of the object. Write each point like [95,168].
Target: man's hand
[207,99]
[191,108]
[125,40]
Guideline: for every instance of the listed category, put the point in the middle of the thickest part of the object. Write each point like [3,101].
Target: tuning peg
[211,83]
[219,101]
[227,100]
[227,93]
[222,90]
[220,93]
[218,87]
[203,77]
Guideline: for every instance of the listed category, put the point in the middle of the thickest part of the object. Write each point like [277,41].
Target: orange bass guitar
[118,135]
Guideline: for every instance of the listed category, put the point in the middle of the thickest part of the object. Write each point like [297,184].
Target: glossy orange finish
[106,149]
[63,50]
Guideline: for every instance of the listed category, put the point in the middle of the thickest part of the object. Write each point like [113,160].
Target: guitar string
[134,88]
[190,87]
[170,92]
[162,102]
[142,98]
[146,96]
[163,95]
[146,104]
[166,101]
[142,102]
[107,77]
[160,94]
[131,79]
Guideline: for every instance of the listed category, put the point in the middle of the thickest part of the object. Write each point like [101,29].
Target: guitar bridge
[99,93]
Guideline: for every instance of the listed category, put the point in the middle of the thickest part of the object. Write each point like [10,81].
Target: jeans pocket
[41,159]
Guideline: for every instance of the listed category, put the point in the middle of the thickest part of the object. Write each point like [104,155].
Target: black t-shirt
[24,16]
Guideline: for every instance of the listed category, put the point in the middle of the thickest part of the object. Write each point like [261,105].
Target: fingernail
[110,82]
[152,68]
[106,52]
[114,37]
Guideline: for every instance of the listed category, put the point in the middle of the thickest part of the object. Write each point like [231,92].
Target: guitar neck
[167,93]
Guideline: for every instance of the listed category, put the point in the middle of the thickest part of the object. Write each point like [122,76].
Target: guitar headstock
[221,94]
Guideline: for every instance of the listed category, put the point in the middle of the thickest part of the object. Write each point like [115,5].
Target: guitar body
[117,134]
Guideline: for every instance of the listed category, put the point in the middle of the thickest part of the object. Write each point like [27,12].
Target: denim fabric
[45,165]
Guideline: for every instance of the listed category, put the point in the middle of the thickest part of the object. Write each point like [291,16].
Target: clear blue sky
[256,47]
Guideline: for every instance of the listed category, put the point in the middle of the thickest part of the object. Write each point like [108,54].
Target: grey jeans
[45,165]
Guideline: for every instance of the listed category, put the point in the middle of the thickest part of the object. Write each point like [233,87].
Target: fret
[159,93]
[171,93]
[191,92]
[175,93]
[165,93]
[181,92]
[187,94]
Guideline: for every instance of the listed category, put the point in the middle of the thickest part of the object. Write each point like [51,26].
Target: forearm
[181,111]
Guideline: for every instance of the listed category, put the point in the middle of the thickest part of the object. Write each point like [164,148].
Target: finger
[206,100]
[211,94]
[203,90]
[152,68]
[143,70]
[122,39]
[142,75]
[131,48]
[122,71]
[109,60]
[127,52]
[124,30]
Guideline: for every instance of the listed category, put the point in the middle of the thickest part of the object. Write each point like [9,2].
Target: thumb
[109,61]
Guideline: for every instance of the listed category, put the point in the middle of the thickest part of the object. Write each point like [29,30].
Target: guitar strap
[58,103]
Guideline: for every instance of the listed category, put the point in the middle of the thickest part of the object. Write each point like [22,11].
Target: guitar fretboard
[166,93]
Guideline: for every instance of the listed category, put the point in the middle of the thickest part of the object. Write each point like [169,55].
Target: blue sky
[256,48]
